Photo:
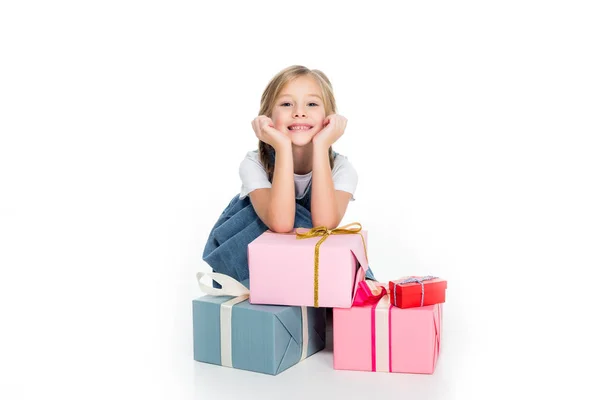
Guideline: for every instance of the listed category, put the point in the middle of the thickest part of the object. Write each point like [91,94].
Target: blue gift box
[263,338]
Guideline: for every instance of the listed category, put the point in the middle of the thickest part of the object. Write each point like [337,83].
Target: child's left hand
[333,128]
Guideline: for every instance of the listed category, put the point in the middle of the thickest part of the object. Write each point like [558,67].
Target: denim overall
[226,250]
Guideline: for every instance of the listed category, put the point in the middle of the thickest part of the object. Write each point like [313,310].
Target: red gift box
[417,291]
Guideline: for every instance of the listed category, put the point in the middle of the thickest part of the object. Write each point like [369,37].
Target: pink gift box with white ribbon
[376,336]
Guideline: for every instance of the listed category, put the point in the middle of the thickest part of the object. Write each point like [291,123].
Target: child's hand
[334,126]
[265,131]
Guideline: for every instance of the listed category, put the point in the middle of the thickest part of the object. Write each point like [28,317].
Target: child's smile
[299,127]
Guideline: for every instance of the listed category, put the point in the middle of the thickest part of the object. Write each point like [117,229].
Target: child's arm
[328,205]
[276,206]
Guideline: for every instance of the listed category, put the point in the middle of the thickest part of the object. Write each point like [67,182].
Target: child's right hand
[265,130]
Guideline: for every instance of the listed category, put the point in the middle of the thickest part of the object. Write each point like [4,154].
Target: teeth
[299,128]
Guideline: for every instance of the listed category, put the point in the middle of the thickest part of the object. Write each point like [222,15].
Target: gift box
[381,337]
[417,291]
[229,331]
[317,267]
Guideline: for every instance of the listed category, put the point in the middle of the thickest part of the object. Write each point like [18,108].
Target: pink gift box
[282,272]
[385,338]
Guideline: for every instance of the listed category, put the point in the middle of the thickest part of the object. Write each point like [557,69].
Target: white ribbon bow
[231,287]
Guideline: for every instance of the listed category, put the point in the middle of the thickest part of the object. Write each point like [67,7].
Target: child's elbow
[281,227]
[280,222]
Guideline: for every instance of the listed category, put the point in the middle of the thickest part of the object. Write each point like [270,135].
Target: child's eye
[287,104]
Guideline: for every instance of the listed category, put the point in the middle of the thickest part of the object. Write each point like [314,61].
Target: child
[294,179]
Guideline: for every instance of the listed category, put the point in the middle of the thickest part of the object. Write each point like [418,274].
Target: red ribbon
[369,292]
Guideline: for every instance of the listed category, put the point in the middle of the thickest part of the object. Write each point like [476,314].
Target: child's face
[299,110]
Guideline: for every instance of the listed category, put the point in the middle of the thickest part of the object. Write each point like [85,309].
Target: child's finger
[271,131]
[265,127]
[265,120]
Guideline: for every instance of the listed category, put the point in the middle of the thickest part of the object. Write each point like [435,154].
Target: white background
[473,126]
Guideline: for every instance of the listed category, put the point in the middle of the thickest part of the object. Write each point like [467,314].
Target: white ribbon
[382,340]
[304,333]
[231,287]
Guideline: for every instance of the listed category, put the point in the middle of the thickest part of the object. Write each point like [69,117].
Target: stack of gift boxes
[277,319]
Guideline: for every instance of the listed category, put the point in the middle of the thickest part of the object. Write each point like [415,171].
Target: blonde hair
[272,91]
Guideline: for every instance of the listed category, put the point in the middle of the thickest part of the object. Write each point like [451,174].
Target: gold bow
[325,233]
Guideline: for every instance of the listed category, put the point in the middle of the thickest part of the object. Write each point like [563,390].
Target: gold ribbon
[325,233]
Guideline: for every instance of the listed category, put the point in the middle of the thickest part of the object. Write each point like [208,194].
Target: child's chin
[296,141]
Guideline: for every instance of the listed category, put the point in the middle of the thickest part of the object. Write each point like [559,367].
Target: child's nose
[299,113]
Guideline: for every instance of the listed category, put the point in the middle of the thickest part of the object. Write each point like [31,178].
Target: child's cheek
[282,128]
[279,125]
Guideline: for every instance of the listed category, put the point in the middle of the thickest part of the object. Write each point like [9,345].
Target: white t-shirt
[254,176]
